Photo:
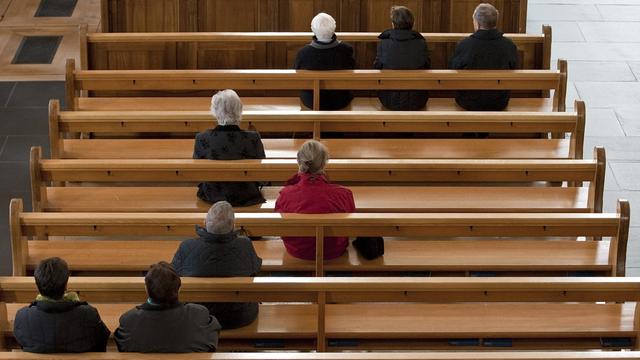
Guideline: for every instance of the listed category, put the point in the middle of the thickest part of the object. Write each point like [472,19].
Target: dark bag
[369,247]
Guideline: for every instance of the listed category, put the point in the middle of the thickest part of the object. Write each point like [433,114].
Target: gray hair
[227,107]
[323,27]
[486,15]
[312,157]
[401,17]
[220,218]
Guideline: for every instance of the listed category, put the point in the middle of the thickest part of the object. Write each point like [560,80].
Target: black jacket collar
[158,307]
[57,306]
[227,128]
[215,238]
[491,34]
[400,34]
[323,45]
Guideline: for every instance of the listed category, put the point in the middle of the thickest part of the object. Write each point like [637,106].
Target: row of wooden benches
[268,50]
[460,243]
[390,313]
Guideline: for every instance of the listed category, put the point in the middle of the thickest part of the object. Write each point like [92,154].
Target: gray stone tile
[600,71]
[5,250]
[620,12]
[24,121]
[563,12]
[633,251]
[626,32]
[611,198]
[5,91]
[572,96]
[627,175]
[610,182]
[18,147]
[561,30]
[36,93]
[14,176]
[632,271]
[608,94]
[602,122]
[629,117]
[635,67]
[596,51]
[617,147]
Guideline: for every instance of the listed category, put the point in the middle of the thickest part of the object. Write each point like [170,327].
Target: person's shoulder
[196,310]
[25,311]
[131,314]
[87,309]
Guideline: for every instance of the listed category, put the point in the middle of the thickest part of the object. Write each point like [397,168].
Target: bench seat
[281,104]
[339,148]
[424,321]
[538,255]
[367,199]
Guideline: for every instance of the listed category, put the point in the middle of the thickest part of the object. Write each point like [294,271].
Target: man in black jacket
[58,322]
[402,48]
[325,52]
[163,324]
[485,49]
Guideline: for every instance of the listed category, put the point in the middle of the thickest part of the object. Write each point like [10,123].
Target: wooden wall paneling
[187,55]
[432,16]
[297,15]
[240,55]
[376,15]
[268,15]
[350,15]
[224,15]
[189,20]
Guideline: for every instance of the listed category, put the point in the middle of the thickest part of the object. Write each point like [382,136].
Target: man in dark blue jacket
[485,49]
[58,322]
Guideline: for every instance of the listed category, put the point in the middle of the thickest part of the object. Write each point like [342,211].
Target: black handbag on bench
[369,247]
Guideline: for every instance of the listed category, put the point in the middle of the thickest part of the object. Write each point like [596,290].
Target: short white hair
[226,107]
[323,26]
[312,157]
[220,218]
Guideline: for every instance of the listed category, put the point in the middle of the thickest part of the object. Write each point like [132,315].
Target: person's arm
[377,63]
[101,333]
[177,260]
[427,63]
[457,61]
[513,61]
[199,151]
[352,60]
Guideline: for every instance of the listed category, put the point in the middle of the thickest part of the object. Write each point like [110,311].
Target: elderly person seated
[228,142]
[163,324]
[309,192]
[219,251]
[57,321]
[402,48]
[485,49]
[325,53]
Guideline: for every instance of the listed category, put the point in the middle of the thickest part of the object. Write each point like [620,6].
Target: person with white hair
[485,49]
[325,52]
[220,251]
[228,141]
[310,192]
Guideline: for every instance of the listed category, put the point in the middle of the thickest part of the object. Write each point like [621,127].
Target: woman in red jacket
[309,192]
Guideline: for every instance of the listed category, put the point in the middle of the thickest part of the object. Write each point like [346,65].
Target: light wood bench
[525,243]
[110,85]
[65,128]
[379,185]
[422,310]
[269,50]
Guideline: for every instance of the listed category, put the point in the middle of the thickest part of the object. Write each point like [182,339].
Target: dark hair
[401,17]
[486,15]
[51,276]
[163,283]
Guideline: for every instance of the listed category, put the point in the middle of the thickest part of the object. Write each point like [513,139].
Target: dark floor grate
[37,50]
[56,8]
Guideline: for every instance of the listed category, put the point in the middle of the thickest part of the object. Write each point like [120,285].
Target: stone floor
[601,41]
[600,38]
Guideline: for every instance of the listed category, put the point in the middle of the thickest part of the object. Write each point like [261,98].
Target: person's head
[51,276]
[312,157]
[226,107]
[163,283]
[220,218]
[401,18]
[323,27]
[485,17]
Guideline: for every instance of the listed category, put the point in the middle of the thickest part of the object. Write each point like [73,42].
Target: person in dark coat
[220,251]
[325,52]
[310,192]
[163,324]
[228,142]
[401,48]
[488,49]
[57,321]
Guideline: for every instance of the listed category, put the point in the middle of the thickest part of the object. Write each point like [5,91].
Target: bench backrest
[325,291]
[115,124]
[42,225]
[265,50]
[127,82]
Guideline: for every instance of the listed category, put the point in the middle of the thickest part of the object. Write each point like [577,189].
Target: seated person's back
[57,321]
[485,49]
[325,52]
[219,251]
[402,48]
[163,324]
[228,142]
[309,192]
